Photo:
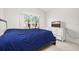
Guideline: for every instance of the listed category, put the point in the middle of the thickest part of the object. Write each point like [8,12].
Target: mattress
[25,39]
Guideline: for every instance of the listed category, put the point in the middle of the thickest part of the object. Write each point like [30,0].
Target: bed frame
[50,43]
[1,20]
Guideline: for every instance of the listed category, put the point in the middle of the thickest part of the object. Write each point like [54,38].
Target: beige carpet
[63,46]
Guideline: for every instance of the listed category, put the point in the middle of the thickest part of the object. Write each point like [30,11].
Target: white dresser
[58,30]
[59,33]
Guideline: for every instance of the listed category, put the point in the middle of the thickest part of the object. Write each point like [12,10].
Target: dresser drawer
[58,33]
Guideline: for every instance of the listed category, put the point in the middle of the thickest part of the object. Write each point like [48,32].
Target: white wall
[70,17]
[1,13]
[13,15]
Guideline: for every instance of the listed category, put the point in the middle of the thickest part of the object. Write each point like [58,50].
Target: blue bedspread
[24,39]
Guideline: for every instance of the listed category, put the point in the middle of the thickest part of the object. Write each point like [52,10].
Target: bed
[25,39]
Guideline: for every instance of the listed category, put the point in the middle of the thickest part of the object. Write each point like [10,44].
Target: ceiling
[46,9]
